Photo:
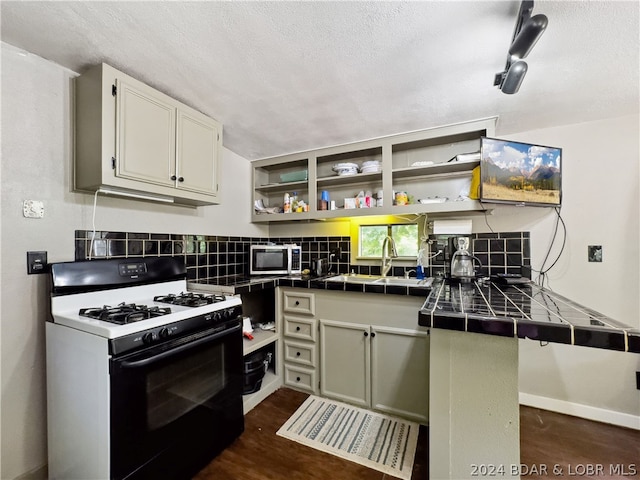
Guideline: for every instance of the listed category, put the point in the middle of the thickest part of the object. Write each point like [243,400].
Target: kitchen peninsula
[474,329]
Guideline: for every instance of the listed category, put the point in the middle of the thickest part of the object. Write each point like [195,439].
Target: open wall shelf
[419,163]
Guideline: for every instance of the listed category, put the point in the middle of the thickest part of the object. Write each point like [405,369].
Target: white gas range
[141,373]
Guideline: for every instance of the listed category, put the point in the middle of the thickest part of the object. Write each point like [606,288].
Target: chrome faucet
[386,243]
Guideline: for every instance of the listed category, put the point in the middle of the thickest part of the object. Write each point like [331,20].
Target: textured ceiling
[291,76]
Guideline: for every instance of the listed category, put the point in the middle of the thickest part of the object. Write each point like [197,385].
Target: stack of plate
[371,166]
[345,168]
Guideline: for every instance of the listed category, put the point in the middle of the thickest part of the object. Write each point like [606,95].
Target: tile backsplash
[208,256]
[205,256]
[506,252]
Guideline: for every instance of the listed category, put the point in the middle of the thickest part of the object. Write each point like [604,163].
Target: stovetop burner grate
[124,313]
[189,299]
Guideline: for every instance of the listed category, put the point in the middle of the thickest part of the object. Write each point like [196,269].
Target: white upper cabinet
[146,137]
[132,138]
[197,143]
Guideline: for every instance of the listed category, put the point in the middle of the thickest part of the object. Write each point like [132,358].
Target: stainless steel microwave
[275,260]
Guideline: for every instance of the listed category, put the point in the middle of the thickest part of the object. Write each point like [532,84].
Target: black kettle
[319,267]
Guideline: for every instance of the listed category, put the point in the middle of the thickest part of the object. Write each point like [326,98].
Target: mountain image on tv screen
[521,173]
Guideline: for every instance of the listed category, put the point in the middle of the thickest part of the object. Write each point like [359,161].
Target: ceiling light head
[514,76]
[528,36]
[527,32]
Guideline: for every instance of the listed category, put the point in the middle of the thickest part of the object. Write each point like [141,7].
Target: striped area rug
[377,441]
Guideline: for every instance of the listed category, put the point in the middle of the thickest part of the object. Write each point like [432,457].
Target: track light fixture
[528,31]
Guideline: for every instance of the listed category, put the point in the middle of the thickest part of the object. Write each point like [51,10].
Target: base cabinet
[296,312]
[376,367]
[399,372]
[345,352]
[364,349]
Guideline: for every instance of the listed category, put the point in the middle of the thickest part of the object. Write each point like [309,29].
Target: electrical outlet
[594,253]
[36,262]
[33,209]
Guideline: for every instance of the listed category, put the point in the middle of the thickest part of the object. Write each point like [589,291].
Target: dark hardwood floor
[574,445]
[547,438]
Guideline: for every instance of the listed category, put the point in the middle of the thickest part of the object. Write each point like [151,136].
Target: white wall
[601,165]
[36,164]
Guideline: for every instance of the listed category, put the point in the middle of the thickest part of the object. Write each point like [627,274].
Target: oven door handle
[174,351]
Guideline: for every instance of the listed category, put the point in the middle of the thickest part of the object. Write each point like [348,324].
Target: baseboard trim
[582,411]
[40,473]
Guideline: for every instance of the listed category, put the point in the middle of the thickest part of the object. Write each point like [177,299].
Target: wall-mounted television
[520,173]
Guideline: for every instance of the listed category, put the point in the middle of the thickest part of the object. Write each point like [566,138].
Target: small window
[372,236]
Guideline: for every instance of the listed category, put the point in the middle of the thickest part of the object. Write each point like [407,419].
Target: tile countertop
[528,311]
[242,284]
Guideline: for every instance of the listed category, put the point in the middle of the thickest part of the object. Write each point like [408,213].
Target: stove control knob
[148,338]
[164,333]
[226,314]
[216,317]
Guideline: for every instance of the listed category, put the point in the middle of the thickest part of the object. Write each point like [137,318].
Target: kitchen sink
[378,280]
[412,282]
[354,278]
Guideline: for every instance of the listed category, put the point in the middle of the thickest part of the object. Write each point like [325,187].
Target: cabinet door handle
[173,177]
[366,334]
[373,334]
[181,179]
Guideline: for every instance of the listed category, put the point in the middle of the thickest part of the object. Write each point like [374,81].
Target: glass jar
[402,198]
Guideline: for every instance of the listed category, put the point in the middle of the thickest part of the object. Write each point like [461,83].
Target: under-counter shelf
[260,339]
[270,383]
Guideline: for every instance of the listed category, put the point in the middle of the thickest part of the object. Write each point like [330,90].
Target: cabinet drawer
[300,378]
[300,353]
[301,328]
[299,302]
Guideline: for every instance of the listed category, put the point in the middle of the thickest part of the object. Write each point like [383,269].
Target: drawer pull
[297,379]
[297,354]
[297,302]
[297,329]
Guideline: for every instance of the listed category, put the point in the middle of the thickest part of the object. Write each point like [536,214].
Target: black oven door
[176,405]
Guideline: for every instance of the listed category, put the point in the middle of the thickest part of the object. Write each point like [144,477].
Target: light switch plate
[33,209]
[594,253]
[36,262]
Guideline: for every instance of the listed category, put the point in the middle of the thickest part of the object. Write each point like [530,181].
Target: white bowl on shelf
[345,168]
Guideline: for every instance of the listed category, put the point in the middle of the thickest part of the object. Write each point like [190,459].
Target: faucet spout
[387,257]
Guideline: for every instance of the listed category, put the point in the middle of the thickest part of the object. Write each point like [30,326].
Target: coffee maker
[462,261]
